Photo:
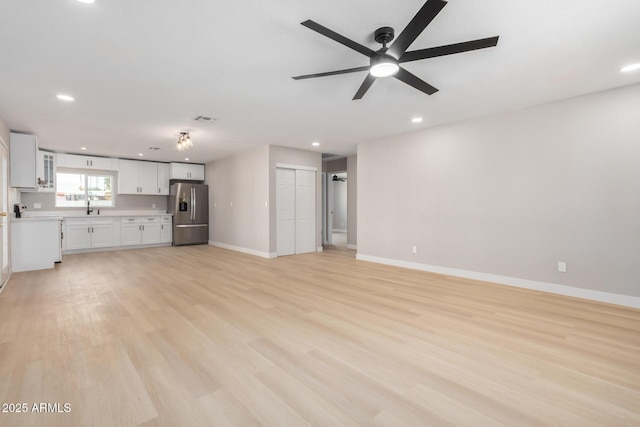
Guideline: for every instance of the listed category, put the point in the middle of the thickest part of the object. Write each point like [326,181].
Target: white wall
[513,194]
[248,182]
[238,190]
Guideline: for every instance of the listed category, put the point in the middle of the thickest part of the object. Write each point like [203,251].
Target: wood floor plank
[203,336]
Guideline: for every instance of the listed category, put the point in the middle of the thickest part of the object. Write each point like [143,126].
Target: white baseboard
[243,250]
[625,300]
[354,247]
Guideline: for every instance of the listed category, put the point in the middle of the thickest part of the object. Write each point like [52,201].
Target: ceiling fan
[337,178]
[385,62]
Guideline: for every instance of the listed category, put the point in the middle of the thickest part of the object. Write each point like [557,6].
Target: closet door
[286,211]
[305,211]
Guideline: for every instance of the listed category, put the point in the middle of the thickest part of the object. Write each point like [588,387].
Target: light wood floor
[194,336]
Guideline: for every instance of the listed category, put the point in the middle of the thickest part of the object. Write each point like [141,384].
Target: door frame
[5,238]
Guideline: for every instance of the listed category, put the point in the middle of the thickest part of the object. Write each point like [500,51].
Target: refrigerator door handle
[195,203]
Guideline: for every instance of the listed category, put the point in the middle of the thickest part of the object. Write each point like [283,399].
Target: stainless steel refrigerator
[189,204]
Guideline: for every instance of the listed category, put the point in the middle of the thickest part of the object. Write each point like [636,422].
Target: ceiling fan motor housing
[384,35]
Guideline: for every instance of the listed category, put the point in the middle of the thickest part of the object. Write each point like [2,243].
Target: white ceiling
[142,70]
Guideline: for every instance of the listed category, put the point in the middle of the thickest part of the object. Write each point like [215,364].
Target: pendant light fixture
[184,141]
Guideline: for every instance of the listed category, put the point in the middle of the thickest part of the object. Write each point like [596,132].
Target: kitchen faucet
[89,210]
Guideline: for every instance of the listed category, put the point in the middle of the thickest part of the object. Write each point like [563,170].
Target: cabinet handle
[92,229]
[88,229]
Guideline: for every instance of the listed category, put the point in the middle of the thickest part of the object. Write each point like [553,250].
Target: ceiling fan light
[386,69]
[383,66]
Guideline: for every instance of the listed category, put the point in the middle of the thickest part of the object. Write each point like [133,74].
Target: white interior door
[4,209]
[286,211]
[305,211]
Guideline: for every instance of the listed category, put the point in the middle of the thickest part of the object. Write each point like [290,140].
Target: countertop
[37,219]
[83,213]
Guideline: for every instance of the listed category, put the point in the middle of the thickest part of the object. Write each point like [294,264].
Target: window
[75,189]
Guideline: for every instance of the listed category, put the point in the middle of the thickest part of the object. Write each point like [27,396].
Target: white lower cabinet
[88,233]
[141,231]
[130,230]
[166,229]
[94,232]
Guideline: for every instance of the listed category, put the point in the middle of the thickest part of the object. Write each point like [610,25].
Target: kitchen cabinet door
[130,232]
[24,161]
[77,234]
[151,233]
[187,171]
[46,171]
[102,235]
[148,177]
[128,177]
[166,230]
[163,179]
[86,162]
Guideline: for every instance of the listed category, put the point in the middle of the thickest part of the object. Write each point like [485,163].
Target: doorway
[335,208]
[295,211]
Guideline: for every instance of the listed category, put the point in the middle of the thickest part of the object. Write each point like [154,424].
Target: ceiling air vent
[204,119]
[154,148]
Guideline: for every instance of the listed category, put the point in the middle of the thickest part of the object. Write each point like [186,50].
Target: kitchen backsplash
[123,202]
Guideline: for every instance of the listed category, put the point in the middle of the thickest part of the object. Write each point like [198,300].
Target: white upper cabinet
[187,171]
[24,161]
[149,177]
[76,161]
[46,171]
[128,177]
[163,179]
[136,177]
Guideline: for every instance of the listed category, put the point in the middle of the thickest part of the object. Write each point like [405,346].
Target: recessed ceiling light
[417,120]
[83,148]
[63,97]
[140,154]
[631,67]
[315,144]
[186,158]
[86,1]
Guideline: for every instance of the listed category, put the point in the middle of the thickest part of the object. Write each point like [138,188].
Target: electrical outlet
[37,206]
[562,266]
[153,205]
[415,249]
[215,204]
[266,204]
[230,204]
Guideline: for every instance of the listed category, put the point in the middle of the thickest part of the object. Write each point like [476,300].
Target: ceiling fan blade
[410,79]
[366,84]
[413,29]
[449,49]
[337,37]
[331,73]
